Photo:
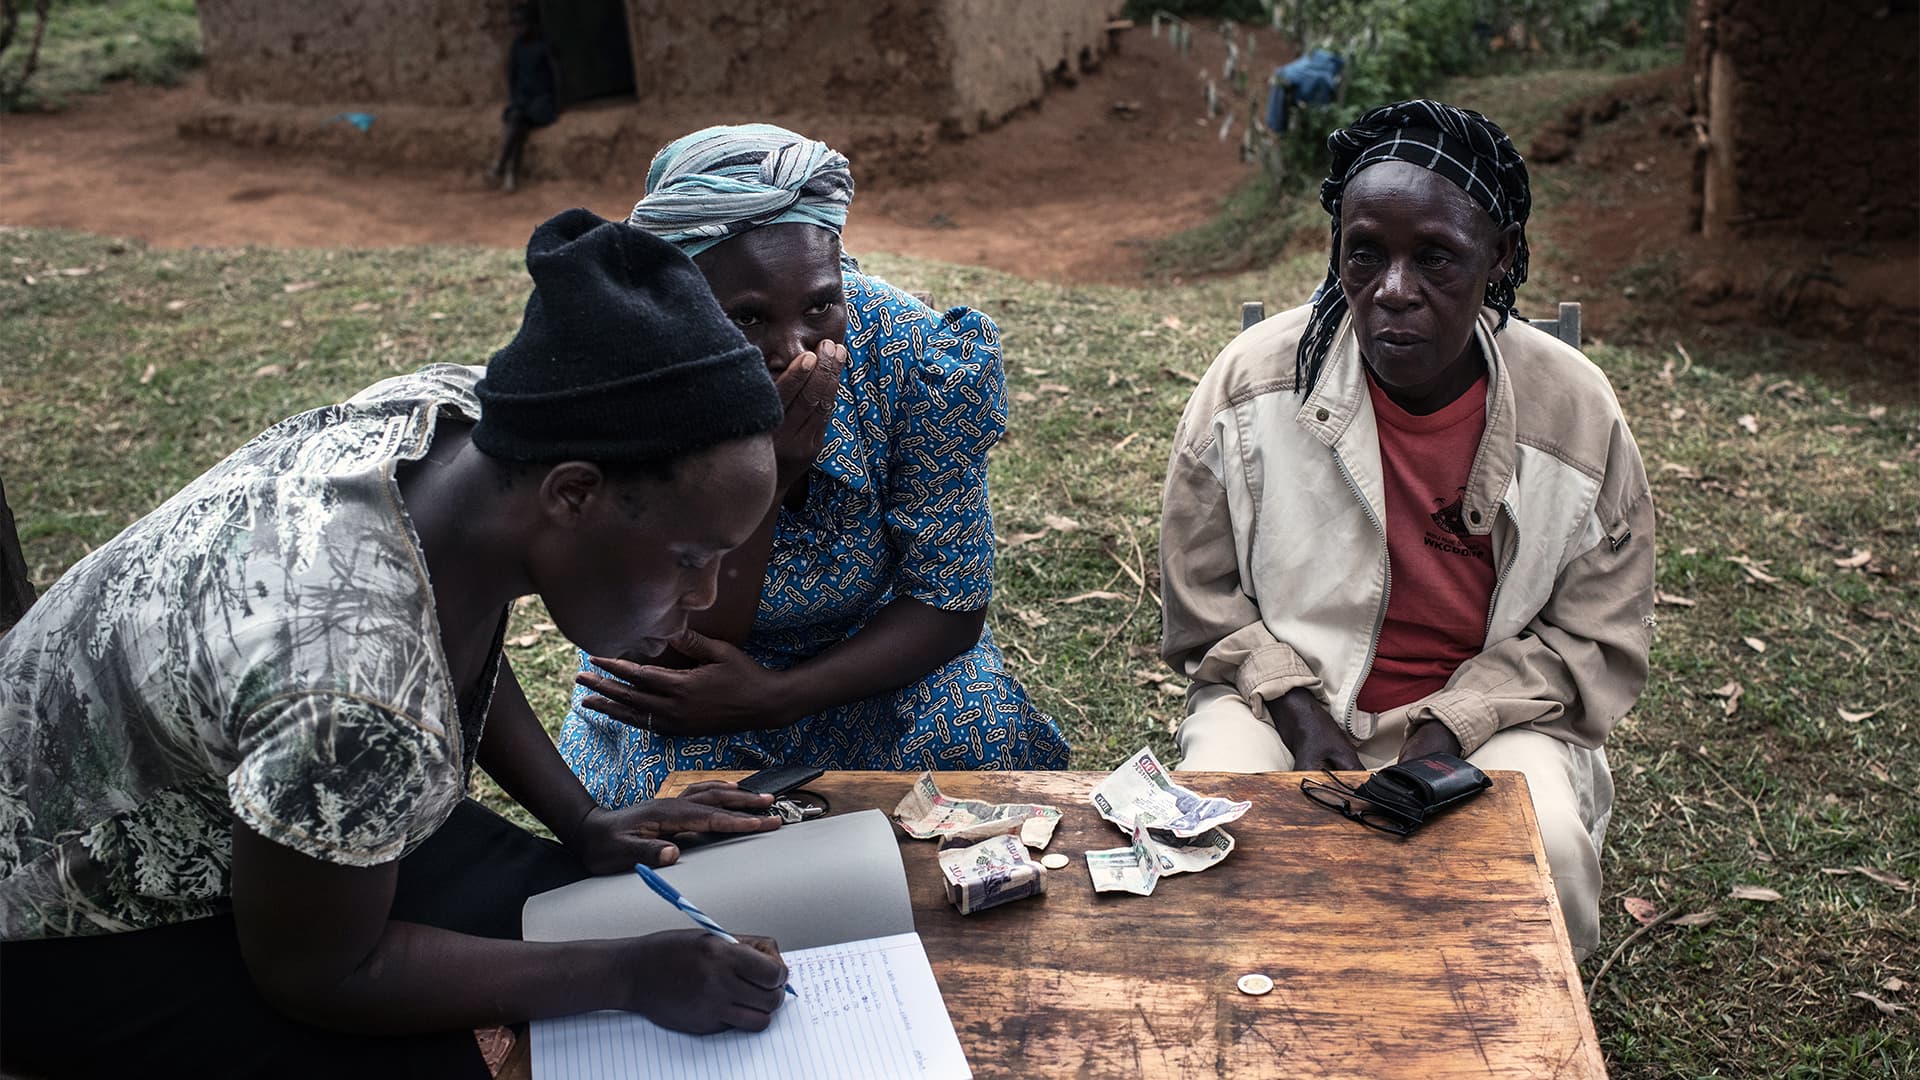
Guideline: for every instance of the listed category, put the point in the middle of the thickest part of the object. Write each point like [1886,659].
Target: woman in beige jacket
[1399,521]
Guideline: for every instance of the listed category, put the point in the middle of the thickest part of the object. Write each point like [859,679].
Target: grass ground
[1765,814]
[90,42]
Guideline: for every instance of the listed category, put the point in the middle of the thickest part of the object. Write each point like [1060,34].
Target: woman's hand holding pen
[690,980]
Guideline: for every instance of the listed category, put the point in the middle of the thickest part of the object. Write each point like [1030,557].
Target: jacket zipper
[1494,601]
[1386,593]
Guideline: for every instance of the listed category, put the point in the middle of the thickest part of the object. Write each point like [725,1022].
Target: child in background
[531,94]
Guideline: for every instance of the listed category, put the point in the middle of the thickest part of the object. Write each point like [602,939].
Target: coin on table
[1255,983]
[1054,861]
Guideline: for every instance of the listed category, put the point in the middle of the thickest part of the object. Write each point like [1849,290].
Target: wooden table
[1440,955]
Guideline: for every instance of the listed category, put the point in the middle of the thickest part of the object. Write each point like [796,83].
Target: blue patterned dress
[896,506]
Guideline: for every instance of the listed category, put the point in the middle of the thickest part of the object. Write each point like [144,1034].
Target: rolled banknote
[992,872]
[1141,786]
[928,815]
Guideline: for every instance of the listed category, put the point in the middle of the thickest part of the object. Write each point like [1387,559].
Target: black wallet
[780,779]
[1418,789]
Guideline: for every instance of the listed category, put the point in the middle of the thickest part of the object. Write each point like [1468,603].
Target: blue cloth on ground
[1313,79]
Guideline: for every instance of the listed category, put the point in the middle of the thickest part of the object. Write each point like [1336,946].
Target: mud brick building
[1812,117]
[879,77]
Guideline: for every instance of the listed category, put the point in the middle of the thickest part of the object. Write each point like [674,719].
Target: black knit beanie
[623,355]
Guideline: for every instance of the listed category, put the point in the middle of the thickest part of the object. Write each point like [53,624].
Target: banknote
[1141,786]
[992,872]
[1132,869]
[928,815]
[1154,854]
[1188,854]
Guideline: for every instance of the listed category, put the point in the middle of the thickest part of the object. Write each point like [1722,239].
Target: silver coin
[1054,861]
[1255,983]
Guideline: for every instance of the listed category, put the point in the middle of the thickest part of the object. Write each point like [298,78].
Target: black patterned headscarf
[1459,144]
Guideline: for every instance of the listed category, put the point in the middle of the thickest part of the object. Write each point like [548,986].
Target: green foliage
[1401,49]
[1256,226]
[92,42]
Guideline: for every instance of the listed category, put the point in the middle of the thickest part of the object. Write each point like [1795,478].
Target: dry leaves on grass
[1788,389]
[1032,618]
[1642,910]
[1755,644]
[1095,594]
[267,371]
[1021,539]
[1891,881]
[1160,679]
[298,286]
[1859,558]
[1676,601]
[1755,569]
[531,637]
[1755,892]
[1856,717]
[1060,523]
[1731,694]
[147,375]
[1749,424]
[1887,1008]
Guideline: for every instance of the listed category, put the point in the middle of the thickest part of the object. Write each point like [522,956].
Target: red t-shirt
[1442,577]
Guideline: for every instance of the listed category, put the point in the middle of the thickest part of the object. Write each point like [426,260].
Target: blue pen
[672,896]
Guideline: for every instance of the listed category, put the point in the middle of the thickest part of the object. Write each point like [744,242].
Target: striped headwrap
[722,181]
[1459,144]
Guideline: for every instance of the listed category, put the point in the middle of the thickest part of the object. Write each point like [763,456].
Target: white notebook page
[866,1009]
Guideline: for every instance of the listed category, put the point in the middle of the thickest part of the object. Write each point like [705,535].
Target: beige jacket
[1274,558]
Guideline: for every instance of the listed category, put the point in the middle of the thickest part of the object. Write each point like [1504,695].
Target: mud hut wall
[791,56]
[959,63]
[1813,116]
[417,52]
[1003,52]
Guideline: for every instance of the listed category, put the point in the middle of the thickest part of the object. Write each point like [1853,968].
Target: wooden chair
[1566,327]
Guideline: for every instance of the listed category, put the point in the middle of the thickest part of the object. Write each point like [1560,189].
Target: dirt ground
[1066,190]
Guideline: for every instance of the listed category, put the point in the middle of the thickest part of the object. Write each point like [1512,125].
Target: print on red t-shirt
[1442,577]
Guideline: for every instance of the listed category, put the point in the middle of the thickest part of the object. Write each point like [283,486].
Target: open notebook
[833,893]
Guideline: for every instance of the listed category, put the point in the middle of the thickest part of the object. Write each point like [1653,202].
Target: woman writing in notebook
[238,737]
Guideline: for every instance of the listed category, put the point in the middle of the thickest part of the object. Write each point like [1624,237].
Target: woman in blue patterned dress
[851,631]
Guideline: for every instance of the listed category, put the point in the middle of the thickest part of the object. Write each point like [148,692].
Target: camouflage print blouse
[262,645]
